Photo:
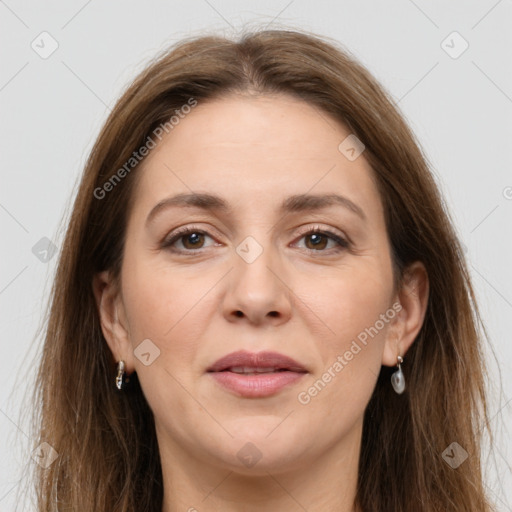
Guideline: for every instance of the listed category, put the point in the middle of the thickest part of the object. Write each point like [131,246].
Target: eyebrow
[295,203]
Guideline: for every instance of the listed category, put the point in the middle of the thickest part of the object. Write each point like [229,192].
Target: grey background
[52,109]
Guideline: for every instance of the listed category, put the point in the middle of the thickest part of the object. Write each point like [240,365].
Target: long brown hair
[108,457]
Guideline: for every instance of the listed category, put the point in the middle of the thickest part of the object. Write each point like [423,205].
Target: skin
[303,300]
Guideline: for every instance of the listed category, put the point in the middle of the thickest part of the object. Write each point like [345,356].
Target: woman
[261,302]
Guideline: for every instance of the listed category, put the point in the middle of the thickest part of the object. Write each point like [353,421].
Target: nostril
[239,313]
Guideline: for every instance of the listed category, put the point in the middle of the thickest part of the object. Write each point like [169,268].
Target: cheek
[170,307]
[155,298]
[354,299]
[355,305]
[339,391]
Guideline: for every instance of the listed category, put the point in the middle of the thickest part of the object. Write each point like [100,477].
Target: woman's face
[249,276]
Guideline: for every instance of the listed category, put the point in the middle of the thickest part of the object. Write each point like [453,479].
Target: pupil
[317,240]
[194,237]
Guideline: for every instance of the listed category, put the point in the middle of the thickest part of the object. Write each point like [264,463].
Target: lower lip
[256,386]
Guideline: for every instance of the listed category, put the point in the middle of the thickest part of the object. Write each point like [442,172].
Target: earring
[398,379]
[120,378]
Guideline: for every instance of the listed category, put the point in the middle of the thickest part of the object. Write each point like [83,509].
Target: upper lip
[246,359]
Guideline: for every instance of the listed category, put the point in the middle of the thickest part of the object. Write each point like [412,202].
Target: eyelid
[326,230]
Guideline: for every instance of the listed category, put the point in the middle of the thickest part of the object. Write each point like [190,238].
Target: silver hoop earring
[398,379]
[120,377]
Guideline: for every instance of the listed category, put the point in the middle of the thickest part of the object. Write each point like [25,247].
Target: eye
[192,240]
[319,239]
[189,237]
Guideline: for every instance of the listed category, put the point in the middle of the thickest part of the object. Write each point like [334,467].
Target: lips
[256,375]
[260,362]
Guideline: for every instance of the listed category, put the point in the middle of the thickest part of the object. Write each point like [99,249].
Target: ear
[413,298]
[113,318]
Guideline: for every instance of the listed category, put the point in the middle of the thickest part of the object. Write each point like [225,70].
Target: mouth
[256,375]
[256,362]
[247,370]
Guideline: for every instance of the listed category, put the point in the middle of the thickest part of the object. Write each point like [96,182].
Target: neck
[327,481]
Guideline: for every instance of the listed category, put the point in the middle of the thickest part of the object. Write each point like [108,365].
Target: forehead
[255,151]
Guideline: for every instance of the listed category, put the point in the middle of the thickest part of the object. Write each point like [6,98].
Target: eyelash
[180,233]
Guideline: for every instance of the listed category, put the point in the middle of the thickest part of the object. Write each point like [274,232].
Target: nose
[257,292]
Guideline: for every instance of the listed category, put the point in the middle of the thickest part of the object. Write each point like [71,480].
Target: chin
[252,459]
[259,450]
